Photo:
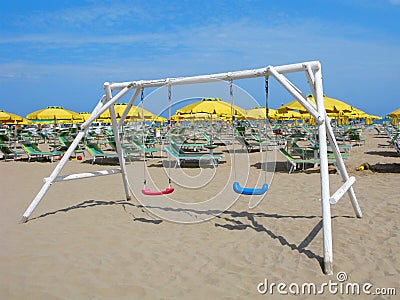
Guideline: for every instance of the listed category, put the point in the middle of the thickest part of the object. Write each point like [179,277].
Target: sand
[85,241]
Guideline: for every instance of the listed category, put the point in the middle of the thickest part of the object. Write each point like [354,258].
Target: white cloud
[351,56]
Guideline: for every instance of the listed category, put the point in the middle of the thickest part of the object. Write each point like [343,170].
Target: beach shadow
[102,161]
[34,159]
[229,219]
[239,150]
[236,224]
[140,219]
[278,166]
[388,145]
[282,167]
[254,225]
[110,161]
[384,153]
[94,203]
[385,168]
[233,220]
[204,164]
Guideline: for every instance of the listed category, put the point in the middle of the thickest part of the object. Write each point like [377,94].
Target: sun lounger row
[181,156]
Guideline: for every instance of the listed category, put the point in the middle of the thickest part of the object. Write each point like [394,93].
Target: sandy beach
[85,241]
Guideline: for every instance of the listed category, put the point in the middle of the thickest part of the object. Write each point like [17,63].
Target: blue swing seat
[249,191]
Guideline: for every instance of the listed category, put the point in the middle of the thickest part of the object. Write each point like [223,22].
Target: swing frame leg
[324,174]
[120,152]
[63,161]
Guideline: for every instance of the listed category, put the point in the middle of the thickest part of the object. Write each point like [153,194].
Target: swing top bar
[284,69]
[276,71]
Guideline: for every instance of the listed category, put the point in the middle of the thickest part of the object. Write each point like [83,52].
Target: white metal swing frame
[313,74]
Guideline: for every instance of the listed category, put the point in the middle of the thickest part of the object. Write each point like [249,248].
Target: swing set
[313,75]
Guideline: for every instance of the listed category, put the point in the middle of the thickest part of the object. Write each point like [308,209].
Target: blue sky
[61,52]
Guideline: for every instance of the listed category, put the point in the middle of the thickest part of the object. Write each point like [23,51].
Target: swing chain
[266,97]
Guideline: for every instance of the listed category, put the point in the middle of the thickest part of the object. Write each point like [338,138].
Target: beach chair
[249,144]
[65,144]
[267,143]
[397,146]
[95,152]
[4,138]
[357,138]
[180,156]
[342,147]
[378,130]
[142,148]
[394,137]
[182,143]
[206,137]
[295,161]
[9,152]
[302,152]
[32,150]
[149,139]
[113,145]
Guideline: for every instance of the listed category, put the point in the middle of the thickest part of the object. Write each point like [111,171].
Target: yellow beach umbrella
[10,118]
[134,114]
[213,106]
[359,114]
[356,114]
[160,119]
[289,115]
[395,113]
[395,116]
[259,113]
[331,105]
[54,114]
[201,116]
[176,118]
[85,115]
[196,116]
[373,117]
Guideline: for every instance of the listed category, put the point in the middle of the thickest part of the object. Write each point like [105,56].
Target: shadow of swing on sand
[230,220]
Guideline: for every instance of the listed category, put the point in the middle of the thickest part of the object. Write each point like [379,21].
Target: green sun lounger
[33,151]
[65,144]
[95,152]
[295,161]
[143,148]
[249,144]
[9,152]
[174,150]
